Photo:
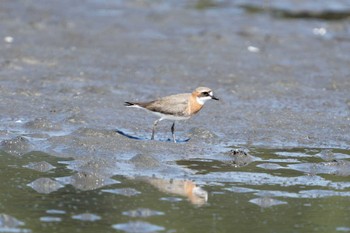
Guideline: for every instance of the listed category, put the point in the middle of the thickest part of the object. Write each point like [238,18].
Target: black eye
[205,93]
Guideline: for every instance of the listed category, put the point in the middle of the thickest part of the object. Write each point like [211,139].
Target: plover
[176,107]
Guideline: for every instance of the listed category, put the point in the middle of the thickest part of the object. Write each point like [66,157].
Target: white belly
[164,116]
[171,117]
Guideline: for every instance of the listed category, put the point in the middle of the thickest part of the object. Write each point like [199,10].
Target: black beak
[214,98]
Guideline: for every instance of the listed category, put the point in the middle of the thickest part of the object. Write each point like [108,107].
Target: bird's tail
[129,104]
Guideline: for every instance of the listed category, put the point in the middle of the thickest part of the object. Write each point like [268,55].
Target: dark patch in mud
[207,4]
[303,10]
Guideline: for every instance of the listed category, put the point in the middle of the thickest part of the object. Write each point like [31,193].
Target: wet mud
[279,133]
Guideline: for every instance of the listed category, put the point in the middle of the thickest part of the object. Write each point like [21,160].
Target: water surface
[267,195]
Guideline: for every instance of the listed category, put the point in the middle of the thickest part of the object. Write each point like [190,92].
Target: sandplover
[176,107]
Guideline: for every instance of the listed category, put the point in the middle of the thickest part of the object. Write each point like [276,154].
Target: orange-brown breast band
[193,105]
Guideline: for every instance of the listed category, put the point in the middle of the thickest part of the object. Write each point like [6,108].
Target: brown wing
[171,105]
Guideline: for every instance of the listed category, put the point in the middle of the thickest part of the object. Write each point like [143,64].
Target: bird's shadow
[128,135]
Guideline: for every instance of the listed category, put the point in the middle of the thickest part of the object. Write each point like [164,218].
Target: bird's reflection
[186,188]
[131,136]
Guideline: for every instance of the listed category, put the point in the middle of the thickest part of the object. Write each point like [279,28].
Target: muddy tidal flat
[273,155]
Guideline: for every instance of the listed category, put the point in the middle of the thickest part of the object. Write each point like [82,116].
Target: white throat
[202,100]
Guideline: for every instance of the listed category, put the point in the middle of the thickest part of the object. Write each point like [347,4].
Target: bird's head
[203,94]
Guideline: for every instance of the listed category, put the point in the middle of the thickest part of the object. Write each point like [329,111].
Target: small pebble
[319,31]
[253,49]
[8,39]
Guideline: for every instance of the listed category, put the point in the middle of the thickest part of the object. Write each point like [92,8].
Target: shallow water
[271,156]
[266,195]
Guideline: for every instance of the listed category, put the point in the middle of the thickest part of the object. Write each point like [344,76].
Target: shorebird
[175,107]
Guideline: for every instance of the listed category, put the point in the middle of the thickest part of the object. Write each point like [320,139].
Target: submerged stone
[266,202]
[11,224]
[87,181]
[16,146]
[270,166]
[171,199]
[240,190]
[87,217]
[45,185]
[329,155]
[42,166]
[142,212]
[8,221]
[341,168]
[53,211]
[239,158]
[123,191]
[138,226]
[50,219]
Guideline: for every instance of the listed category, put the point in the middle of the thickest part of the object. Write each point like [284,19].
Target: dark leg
[173,131]
[154,128]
